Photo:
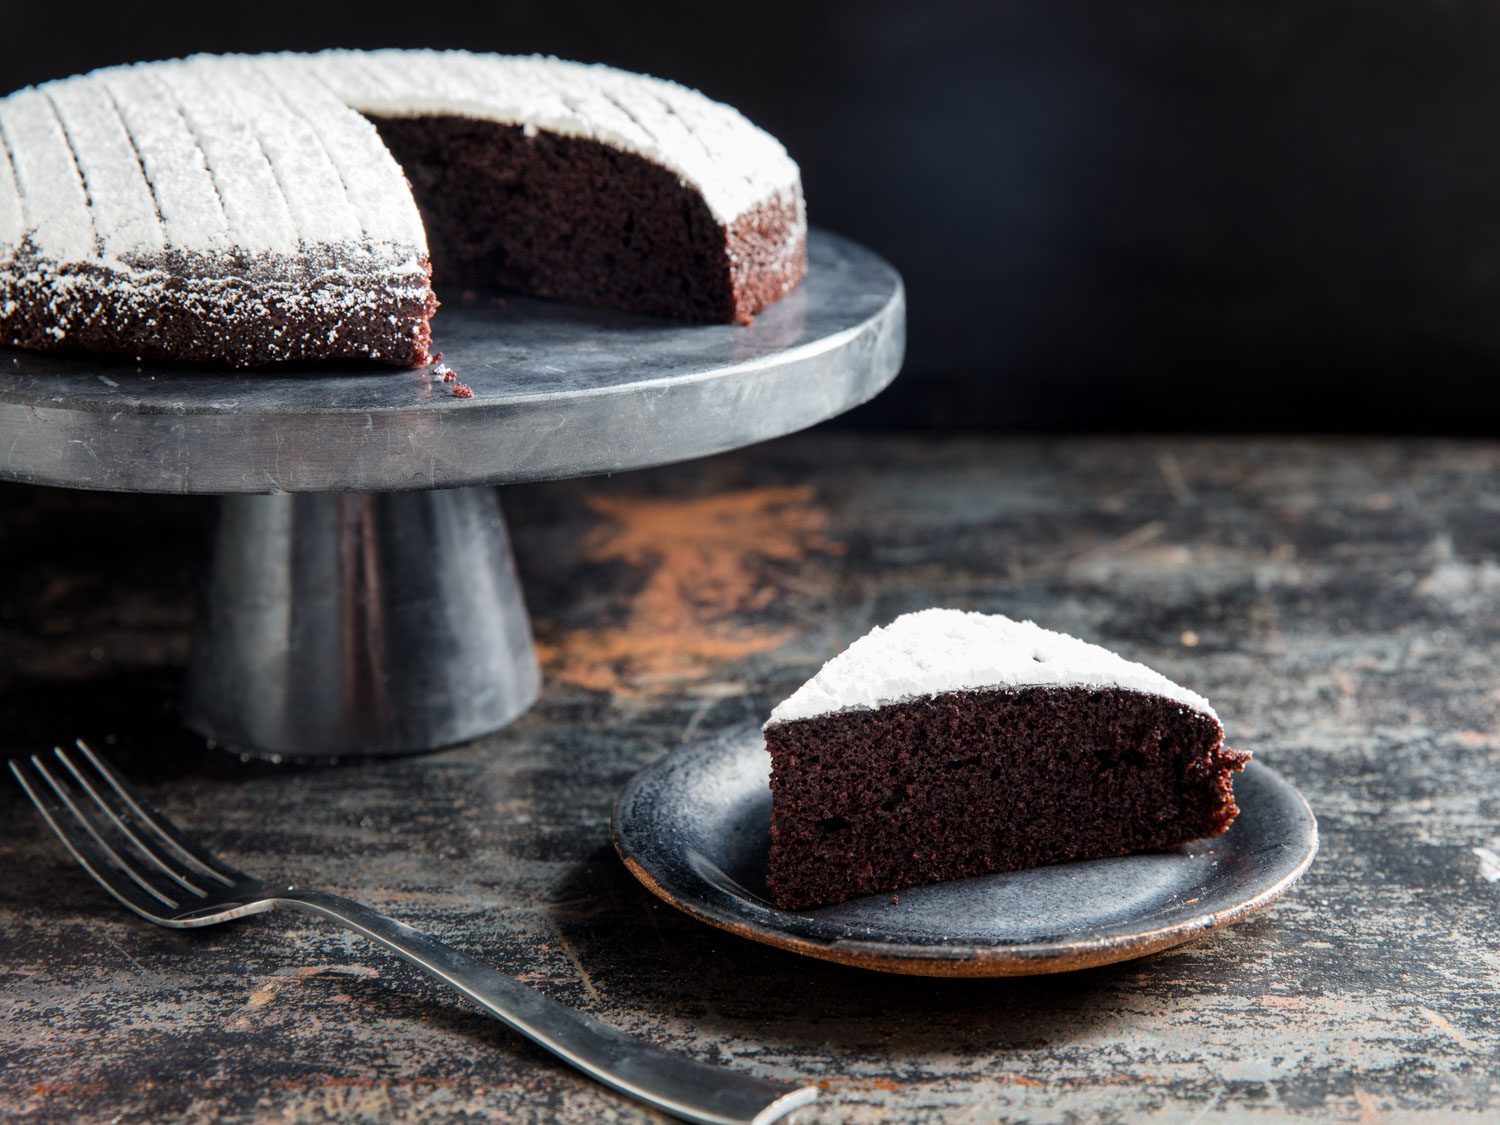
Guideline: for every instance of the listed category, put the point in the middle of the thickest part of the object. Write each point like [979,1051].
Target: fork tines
[133,851]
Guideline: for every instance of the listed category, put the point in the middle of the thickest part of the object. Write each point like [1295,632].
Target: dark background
[1139,214]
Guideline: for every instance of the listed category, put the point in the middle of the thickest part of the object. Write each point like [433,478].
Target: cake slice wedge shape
[950,744]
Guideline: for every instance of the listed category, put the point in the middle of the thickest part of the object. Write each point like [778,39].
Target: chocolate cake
[950,744]
[253,210]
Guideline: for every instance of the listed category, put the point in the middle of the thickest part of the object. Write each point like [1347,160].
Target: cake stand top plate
[559,391]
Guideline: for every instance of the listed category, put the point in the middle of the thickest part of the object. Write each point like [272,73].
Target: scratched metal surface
[1339,602]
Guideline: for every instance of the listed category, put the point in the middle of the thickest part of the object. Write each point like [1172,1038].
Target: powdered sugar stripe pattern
[123,208]
[671,133]
[191,212]
[54,205]
[582,91]
[11,219]
[569,105]
[254,205]
[207,151]
[735,165]
[373,181]
[309,181]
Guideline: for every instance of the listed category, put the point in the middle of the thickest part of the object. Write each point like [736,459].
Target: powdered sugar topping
[309,180]
[268,154]
[175,167]
[942,650]
[54,205]
[124,210]
[711,146]
[12,220]
[374,184]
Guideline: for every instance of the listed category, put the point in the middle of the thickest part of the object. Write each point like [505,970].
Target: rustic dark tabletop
[1338,601]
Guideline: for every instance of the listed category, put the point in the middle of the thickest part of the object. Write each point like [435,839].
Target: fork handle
[691,1090]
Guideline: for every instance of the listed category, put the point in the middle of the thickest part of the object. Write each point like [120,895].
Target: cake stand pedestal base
[359,624]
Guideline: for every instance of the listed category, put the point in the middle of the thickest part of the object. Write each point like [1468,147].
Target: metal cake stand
[361,597]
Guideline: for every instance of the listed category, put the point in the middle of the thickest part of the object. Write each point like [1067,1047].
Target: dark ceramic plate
[693,828]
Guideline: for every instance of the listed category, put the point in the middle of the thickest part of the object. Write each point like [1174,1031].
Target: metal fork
[140,857]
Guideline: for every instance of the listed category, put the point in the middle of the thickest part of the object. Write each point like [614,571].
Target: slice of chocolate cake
[255,210]
[950,744]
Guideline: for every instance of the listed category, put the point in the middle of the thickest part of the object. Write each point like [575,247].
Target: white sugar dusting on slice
[124,210]
[54,204]
[944,650]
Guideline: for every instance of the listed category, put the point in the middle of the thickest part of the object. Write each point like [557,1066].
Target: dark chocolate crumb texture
[1043,749]
[254,210]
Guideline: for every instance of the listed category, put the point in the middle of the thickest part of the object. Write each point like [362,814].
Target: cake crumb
[462,390]
[895,900]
